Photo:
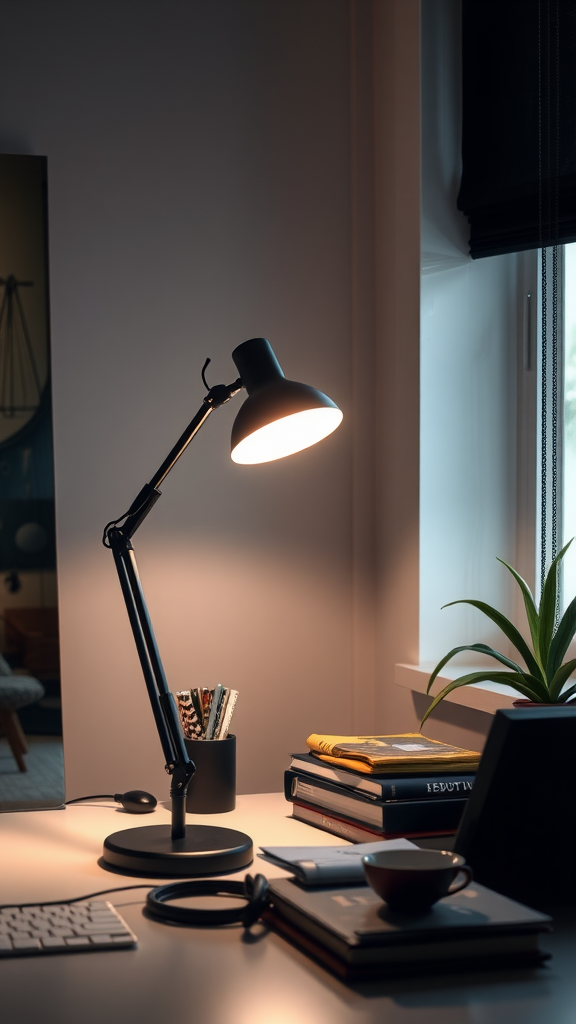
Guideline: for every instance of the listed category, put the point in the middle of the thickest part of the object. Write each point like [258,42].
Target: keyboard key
[101,929]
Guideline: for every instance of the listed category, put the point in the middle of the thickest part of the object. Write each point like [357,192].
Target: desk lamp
[278,418]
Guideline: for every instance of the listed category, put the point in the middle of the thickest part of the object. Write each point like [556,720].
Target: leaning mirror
[31,761]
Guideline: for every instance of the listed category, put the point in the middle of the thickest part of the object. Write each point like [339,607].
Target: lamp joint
[116,535]
[222,393]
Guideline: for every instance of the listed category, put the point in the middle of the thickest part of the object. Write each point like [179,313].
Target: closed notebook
[383,816]
[352,931]
[329,865]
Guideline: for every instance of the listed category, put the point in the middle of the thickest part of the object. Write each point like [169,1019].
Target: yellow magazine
[407,752]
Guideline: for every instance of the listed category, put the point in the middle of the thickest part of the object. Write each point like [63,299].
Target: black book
[353,933]
[440,785]
[352,831]
[386,817]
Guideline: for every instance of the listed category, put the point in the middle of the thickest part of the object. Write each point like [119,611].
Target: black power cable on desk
[135,801]
[253,890]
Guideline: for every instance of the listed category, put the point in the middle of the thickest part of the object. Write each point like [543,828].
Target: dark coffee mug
[212,788]
[412,880]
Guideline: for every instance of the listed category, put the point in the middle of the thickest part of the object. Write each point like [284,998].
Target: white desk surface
[220,975]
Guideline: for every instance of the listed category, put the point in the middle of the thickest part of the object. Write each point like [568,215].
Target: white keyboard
[62,928]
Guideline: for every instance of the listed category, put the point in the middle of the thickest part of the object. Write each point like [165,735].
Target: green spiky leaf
[478,649]
[562,639]
[547,611]
[530,606]
[509,630]
[524,683]
[546,675]
[560,678]
[567,694]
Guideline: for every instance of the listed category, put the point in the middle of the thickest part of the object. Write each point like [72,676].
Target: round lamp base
[204,850]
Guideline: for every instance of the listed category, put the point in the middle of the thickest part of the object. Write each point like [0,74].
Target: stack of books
[356,936]
[366,788]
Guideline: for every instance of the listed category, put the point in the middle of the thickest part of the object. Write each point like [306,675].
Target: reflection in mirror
[31,761]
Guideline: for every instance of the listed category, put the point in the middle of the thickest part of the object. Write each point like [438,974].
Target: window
[481,353]
[556,417]
[569,419]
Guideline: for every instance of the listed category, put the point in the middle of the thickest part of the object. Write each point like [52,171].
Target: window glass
[569,488]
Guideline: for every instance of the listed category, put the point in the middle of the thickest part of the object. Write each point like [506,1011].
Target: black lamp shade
[280,416]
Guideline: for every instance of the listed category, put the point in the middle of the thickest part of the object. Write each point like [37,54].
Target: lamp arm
[148,496]
[117,536]
[178,764]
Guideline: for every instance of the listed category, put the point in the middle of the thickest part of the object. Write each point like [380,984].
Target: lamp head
[280,416]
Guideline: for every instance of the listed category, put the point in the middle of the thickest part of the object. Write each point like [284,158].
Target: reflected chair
[16,692]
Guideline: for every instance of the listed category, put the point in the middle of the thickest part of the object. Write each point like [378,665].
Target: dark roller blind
[518,186]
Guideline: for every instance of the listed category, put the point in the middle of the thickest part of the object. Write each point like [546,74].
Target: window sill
[487,697]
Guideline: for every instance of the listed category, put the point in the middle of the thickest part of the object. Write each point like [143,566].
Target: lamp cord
[253,890]
[205,382]
[116,522]
[93,796]
[76,899]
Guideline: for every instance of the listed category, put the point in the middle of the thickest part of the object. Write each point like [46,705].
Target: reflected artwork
[31,760]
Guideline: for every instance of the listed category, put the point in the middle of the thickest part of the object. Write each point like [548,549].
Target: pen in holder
[205,718]
[212,788]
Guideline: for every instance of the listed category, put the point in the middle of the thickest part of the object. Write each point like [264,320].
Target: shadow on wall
[220,615]
[454,723]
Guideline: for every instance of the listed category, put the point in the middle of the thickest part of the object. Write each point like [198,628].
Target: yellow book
[409,752]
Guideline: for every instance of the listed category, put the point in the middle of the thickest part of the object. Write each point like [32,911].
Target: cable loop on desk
[253,890]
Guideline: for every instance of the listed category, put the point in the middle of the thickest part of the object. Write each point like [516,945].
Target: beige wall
[220,170]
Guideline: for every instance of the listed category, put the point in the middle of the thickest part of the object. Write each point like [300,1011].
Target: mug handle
[457,886]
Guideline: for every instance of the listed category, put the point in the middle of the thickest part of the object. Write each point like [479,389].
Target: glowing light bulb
[287,435]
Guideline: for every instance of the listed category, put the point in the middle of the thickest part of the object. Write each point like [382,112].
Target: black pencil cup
[212,789]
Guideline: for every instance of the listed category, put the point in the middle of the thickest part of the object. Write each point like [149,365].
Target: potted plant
[545,674]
